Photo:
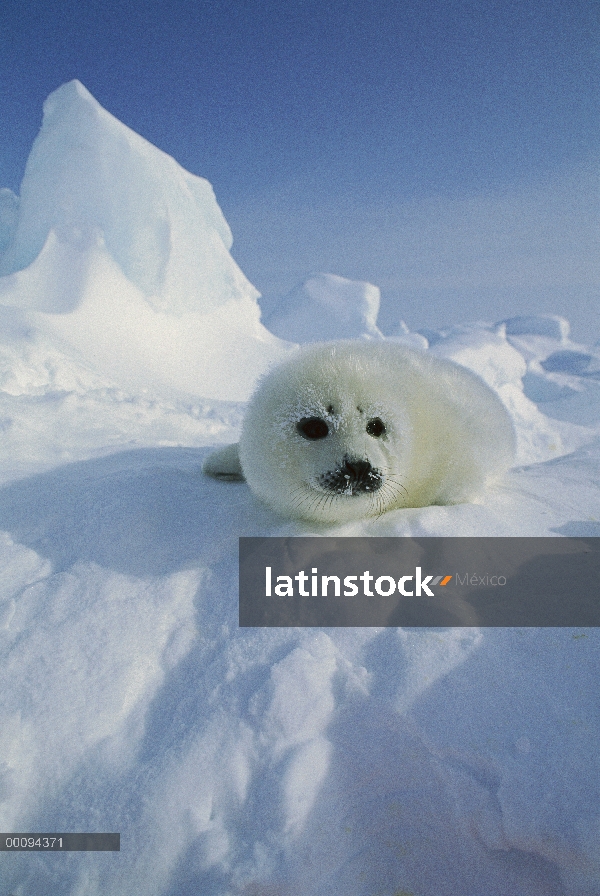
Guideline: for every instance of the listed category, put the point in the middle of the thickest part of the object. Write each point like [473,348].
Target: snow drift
[326,307]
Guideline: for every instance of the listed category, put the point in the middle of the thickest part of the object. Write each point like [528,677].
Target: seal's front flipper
[224,464]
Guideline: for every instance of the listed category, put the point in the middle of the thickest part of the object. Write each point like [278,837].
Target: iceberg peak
[69,94]
[117,254]
[89,176]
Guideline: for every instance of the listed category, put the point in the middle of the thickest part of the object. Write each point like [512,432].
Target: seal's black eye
[312,428]
[376,427]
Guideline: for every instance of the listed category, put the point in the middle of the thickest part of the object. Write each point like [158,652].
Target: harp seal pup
[347,430]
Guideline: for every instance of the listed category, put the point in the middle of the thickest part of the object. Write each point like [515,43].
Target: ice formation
[118,252]
[326,307]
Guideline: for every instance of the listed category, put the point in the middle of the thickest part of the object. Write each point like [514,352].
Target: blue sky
[368,139]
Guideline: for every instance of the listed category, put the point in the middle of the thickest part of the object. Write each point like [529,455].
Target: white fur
[446,433]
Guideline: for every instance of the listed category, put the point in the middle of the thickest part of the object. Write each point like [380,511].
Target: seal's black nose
[352,477]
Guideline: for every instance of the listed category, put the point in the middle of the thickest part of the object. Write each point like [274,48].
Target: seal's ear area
[224,464]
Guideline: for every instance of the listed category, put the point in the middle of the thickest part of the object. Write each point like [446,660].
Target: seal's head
[325,454]
[351,429]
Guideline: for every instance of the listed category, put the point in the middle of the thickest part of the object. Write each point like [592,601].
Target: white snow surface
[257,762]
[326,307]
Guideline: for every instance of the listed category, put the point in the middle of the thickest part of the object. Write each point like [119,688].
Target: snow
[326,307]
[254,762]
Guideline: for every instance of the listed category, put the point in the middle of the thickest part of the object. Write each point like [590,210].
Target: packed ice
[253,762]
[326,307]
